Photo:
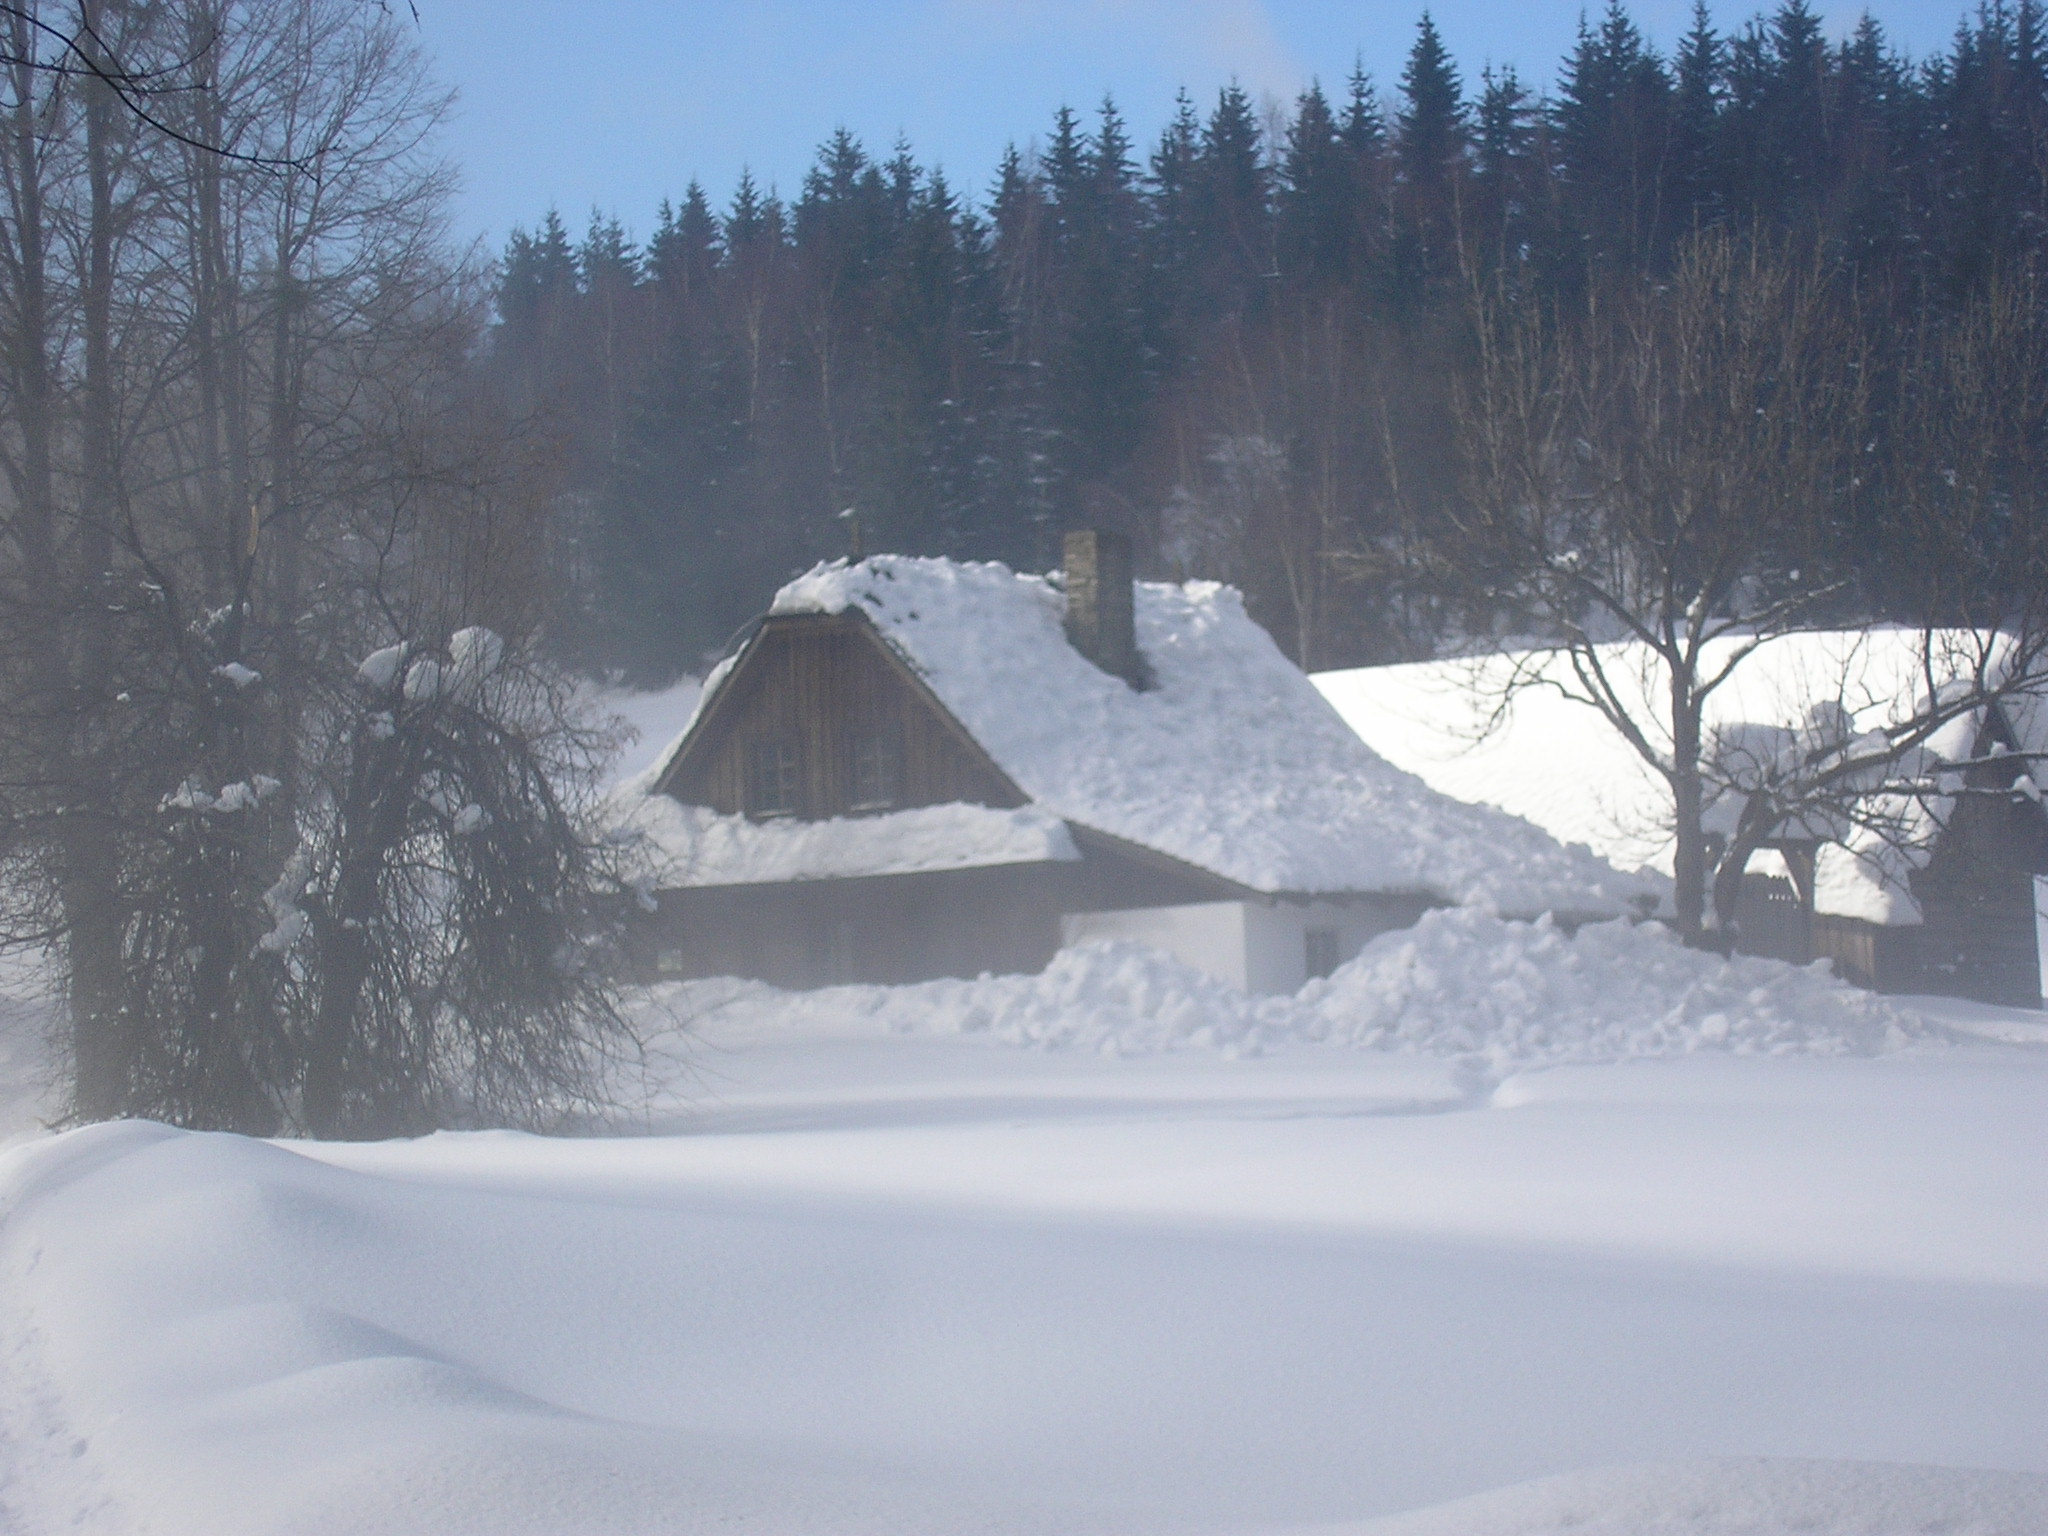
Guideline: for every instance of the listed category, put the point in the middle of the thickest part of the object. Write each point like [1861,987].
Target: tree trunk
[64,628]
[1689,855]
[102,1041]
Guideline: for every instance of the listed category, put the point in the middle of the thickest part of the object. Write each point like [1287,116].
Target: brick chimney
[1100,622]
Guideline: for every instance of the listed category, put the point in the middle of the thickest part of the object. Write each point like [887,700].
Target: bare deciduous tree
[1675,475]
[243,449]
[1667,464]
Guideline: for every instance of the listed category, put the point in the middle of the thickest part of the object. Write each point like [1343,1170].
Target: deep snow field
[1495,1232]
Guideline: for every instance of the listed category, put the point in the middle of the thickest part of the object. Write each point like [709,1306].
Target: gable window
[1319,947]
[772,778]
[875,771]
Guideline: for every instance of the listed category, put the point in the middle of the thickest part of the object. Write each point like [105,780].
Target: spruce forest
[1260,344]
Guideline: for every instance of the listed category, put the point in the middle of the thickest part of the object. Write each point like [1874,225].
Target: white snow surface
[1462,982]
[690,845]
[1554,761]
[1866,878]
[379,670]
[870,1270]
[1232,762]
[1516,993]
[1740,1497]
[653,720]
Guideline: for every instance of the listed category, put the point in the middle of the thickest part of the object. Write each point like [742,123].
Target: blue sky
[618,103]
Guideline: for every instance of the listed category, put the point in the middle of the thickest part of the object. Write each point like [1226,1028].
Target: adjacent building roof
[1555,761]
[1231,762]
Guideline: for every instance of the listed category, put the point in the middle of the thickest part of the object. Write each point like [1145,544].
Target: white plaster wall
[1276,942]
[1276,947]
[1210,936]
[1261,946]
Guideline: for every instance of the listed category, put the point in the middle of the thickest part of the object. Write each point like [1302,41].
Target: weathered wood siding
[1771,919]
[1883,959]
[1977,897]
[884,929]
[899,928]
[822,683]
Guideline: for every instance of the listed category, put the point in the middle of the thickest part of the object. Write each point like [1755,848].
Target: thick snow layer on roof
[1231,762]
[1555,761]
[1869,883]
[689,845]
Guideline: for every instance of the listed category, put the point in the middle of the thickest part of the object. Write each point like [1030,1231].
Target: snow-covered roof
[1553,759]
[1231,762]
[694,845]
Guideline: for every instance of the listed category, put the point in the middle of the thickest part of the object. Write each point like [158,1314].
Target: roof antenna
[851,518]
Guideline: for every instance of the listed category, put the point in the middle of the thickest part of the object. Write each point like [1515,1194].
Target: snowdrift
[501,1335]
[1462,982]
[1730,1497]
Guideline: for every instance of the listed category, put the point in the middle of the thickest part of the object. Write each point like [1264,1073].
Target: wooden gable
[821,718]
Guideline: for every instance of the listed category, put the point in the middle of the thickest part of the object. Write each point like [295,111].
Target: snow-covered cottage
[1932,891]
[914,768]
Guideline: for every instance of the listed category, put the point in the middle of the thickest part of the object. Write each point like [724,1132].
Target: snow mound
[1461,982]
[1741,1498]
[1110,996]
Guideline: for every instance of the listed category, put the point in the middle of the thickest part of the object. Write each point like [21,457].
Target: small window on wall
[875,771]
[772,778]
[1320,950]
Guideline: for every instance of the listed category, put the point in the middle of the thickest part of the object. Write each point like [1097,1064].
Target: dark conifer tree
[1102,367]
[1318,220]
[1171,231]
[537,268]
[1777,128]
[1693,167]
[683,253]
[1430,146]
[1506,174]
[1065,168]
[1099,344]
[536,291]
[1611,123]
[1432,118]
[1020,517]
[1232,223]
[1871,220]
[914,483]
[1363,134]
[1364,130]
[1986,101]
[606,258]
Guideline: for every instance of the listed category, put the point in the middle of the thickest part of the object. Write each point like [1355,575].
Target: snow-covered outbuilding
[1928,891]
[920,767]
